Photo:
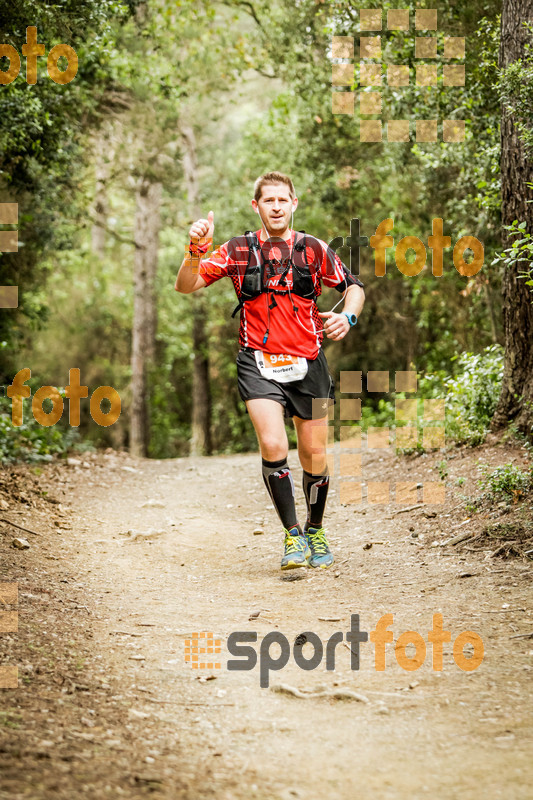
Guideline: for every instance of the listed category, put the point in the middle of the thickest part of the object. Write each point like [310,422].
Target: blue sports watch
[352,319]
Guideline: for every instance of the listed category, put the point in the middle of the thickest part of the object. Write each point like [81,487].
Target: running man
[277,275]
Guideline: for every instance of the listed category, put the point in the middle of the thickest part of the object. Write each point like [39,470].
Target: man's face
[275,207]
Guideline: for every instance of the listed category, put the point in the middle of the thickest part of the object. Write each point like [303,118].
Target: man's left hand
[336,326]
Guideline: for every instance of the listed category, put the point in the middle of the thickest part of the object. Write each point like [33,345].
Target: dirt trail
[108,707]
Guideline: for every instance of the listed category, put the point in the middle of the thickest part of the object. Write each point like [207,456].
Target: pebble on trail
[21,544]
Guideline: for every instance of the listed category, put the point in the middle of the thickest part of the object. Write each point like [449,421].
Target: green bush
[31,441]
[472,394]
[506,481]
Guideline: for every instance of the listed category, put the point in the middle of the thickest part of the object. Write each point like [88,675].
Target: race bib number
[281,368]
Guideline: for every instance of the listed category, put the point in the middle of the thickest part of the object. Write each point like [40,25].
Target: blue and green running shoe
[296,550]
[321,555]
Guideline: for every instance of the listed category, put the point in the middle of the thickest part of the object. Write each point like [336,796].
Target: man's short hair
[272,177]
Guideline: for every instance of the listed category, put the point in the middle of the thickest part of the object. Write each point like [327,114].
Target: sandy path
[159,731]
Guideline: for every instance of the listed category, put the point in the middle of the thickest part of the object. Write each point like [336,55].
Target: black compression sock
[316,491]
[280,485]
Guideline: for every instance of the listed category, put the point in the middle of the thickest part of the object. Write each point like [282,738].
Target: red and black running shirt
[298,333]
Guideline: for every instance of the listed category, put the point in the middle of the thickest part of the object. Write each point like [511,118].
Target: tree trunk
[104,158]
[100,214]
[144,326]
[99,210]
[516,399]
[490,309]
[200,443]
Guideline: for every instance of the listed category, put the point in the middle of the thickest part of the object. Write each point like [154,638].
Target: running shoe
[296,551]
[321,555]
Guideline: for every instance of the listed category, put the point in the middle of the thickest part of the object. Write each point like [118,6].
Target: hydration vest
[260,269]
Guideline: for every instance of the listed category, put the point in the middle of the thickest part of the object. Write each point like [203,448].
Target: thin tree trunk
[99,211]
[100,214]
[200,443]
[104,158]
[147,221]
[490,309]
[412,332]
[516,399]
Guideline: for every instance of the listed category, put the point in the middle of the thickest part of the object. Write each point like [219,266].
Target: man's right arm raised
[201,235]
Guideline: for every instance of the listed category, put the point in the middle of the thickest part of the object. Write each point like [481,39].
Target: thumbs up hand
[203,228]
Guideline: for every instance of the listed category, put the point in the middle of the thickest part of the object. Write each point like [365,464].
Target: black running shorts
[295,397]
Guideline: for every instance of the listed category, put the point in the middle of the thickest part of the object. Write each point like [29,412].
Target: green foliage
[170,410]
[442,468]
[516,92]
[472,394]
[89,300]
[519,253]
[43,128]
[507,481]
[30,441]
[377,415]
[254,82]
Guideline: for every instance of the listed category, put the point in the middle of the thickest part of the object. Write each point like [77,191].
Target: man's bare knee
[273,449]
[313,459]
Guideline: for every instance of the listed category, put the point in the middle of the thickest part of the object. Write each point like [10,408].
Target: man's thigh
[268,421]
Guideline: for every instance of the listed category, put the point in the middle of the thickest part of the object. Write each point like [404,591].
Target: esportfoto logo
[201,647]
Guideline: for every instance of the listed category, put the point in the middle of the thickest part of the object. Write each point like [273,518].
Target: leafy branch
[520,251]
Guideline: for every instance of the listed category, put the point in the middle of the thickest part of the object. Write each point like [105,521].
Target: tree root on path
[336,694]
